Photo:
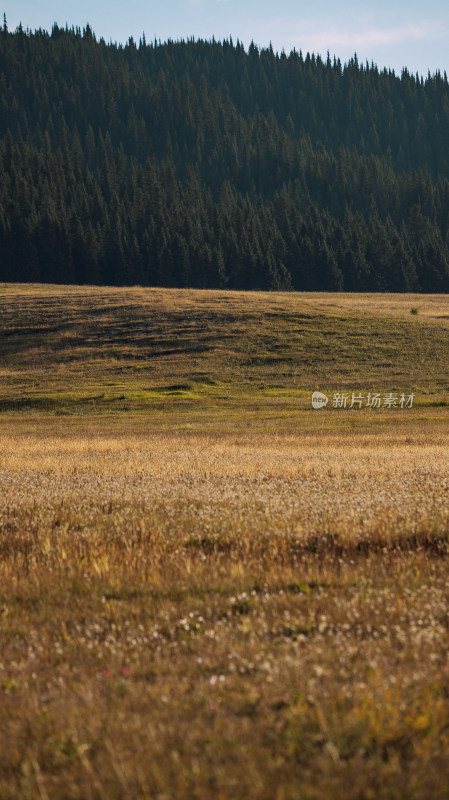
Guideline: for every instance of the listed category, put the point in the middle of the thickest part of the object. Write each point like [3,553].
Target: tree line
[202,164]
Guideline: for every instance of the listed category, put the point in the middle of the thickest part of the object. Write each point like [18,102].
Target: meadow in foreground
[215,591]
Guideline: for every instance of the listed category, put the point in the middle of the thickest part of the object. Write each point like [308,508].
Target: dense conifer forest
[204,164]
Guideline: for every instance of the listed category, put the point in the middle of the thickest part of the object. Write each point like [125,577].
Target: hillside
[200,164]
[195,359]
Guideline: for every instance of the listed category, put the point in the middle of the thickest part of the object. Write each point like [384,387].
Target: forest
[202,164]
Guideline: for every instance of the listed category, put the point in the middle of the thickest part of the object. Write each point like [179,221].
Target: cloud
[320,35]
[371,37]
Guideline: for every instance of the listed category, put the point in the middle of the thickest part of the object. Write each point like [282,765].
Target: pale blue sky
[392,33]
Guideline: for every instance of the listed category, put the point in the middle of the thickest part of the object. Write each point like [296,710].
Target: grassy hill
[205,356]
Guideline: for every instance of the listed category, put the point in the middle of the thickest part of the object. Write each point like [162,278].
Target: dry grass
[96,350]
[218,592]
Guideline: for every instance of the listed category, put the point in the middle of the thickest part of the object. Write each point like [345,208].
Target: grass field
[209,589]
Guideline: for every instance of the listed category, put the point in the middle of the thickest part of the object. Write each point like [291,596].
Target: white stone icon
[319,400]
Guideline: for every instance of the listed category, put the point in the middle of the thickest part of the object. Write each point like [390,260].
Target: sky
[392,33]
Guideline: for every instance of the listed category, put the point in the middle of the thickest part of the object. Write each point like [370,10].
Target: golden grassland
[207,588]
